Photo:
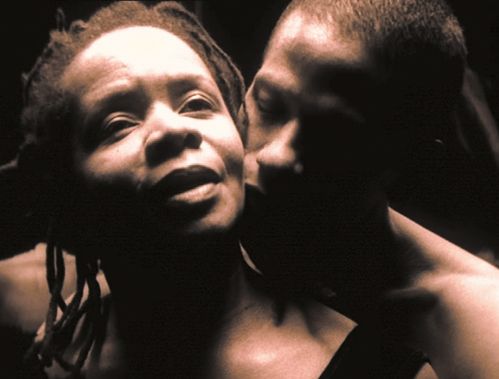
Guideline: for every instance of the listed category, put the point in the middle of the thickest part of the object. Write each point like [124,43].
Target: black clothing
[362,357]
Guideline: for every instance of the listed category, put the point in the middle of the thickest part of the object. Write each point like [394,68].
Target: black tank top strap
[362,356]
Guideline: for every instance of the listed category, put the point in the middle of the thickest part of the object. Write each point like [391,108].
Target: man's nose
[170,134]
[282,154]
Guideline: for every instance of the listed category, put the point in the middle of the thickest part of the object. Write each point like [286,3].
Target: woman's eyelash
[117,121]
[114,123]
[197,103]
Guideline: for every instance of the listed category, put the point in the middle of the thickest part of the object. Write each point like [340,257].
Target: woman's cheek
[111,164]
[230,147]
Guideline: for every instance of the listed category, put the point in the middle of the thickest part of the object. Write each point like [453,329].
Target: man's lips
[184,179]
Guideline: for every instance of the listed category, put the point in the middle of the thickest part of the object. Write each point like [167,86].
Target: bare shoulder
[24,293]
[300,346]
[426,372]
[469,309]
[460,332]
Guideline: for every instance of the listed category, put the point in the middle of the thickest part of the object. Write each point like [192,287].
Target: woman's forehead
[141,50]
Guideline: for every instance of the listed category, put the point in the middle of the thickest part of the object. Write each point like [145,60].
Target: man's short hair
[418,44]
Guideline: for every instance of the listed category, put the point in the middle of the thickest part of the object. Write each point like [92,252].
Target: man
[349,92]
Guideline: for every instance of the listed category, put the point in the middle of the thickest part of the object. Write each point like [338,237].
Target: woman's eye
[116,124]
[196,104]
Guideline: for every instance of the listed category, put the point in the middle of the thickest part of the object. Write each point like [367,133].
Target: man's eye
[196,104]
[269,108]
[264,106]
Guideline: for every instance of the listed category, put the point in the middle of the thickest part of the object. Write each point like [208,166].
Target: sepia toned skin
[448,297]
[151,123]
[314,145]
[300,56]
[147,113]
[176,119]
[172,116]
[288,88]
[145,139]
[251,343]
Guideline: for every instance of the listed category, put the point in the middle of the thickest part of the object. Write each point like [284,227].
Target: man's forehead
[309,57]
[305,39]
[298,26]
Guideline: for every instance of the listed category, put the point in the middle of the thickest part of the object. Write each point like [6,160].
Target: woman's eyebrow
[131,98]
[118,91]
[133,95]
[124,90]
[179,84]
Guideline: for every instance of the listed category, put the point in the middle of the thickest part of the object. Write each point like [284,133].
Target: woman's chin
[208,218]
[211,224]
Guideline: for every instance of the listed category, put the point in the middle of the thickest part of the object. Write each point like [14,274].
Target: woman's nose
[170,134]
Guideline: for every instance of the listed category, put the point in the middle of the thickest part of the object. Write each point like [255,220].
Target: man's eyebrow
[344,79]
[272,85]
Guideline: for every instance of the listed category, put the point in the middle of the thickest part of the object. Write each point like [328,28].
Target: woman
[130,124]
[130,118]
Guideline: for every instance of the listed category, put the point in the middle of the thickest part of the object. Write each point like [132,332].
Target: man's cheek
[258,137]
[251,168]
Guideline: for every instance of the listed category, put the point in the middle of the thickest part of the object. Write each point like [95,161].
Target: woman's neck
[170,300]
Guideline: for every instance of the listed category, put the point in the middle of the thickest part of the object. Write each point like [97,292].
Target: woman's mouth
[187,186]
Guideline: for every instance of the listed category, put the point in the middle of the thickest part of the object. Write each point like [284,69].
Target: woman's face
[151,121]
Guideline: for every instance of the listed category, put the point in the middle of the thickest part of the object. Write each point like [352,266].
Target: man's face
[313,153]
[309,110]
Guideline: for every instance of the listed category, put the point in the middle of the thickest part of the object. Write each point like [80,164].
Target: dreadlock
[47,128]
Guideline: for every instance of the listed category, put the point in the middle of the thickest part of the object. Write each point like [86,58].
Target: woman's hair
[45,113]
[46,124]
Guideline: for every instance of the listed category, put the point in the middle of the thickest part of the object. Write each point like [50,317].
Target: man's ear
[421,163]
[388,177]
[437,148]
[430,154]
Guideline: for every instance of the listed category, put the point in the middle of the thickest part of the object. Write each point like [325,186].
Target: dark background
[461,203]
